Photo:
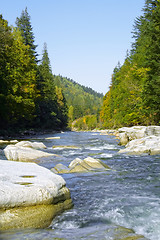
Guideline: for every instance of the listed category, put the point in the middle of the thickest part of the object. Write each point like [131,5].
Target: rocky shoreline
[137,139]
[140,140]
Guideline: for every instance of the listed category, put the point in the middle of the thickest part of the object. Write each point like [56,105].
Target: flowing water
[128,195]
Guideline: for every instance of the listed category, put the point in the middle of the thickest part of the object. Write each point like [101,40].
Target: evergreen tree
[47,105]
[62,108]
[147,54]
[134,96]
[25,27]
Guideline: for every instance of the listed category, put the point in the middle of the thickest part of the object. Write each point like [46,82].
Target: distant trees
[134,95]
[81,100]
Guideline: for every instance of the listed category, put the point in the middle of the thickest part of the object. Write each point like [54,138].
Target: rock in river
[30,195]
[127,134]
[149,145]
[79,165]
[24,154]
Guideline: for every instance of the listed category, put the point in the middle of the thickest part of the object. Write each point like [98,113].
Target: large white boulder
[30,195]
[36,145]
[24,154]
[149,145]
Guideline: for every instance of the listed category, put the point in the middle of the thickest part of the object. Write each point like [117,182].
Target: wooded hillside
[80,99]
[134,95]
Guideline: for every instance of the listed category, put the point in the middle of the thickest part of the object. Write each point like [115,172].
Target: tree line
[134,94]
[81,100]
[31,97]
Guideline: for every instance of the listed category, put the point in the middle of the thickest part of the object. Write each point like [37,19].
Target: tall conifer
[47,115]
[25,27]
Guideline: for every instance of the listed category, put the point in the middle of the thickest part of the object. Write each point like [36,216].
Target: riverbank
[26,133]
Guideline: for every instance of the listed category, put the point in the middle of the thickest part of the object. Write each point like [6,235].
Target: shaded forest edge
[32,99]
[134,94]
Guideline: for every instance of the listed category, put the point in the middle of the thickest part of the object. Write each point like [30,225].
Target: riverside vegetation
[31,96]
[134,94]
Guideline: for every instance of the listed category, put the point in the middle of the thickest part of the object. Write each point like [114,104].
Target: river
[128,195]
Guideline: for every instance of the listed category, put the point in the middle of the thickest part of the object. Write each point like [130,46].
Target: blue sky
[85,38]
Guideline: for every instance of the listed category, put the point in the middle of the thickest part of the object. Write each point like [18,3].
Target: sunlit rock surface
[127,134]
[149,145]
[79,165]
[140,139]
[30,195]
[36,145]
[24,154]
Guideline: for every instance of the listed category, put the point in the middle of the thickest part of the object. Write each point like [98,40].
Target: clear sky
[85,38]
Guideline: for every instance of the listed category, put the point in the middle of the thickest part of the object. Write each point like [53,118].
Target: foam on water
[101,147]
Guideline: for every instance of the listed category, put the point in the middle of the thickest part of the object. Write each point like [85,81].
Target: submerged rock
[60,168]
[8,141]
[122,233]
[30,195]
[78,165]
[50,138]
[24,154]
[65,147]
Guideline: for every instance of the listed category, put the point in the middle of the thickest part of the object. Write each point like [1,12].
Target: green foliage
[134,95]
[81,100]
[51,105]
[148,46]
[30,96]
[17,78]
[88,122]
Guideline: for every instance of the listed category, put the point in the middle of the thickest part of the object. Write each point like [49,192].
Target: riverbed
[128,195]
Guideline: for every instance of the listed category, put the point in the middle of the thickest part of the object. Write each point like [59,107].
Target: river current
[128,195]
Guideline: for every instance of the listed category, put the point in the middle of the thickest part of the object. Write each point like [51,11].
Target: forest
[31,97]
[82,101]
[134,94]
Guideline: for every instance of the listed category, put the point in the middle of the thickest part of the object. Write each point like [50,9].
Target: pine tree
[47,106]
[62,108]
[25,27]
